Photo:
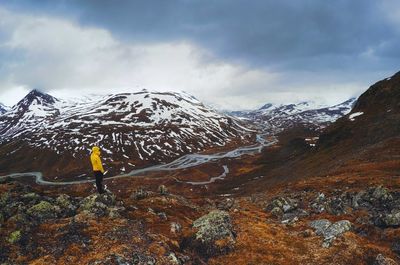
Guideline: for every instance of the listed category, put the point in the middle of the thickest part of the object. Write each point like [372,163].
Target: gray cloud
[311,45]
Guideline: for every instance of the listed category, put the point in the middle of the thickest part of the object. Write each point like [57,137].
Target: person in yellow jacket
[98,169]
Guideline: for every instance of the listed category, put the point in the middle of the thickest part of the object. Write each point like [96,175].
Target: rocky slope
[277,118]
[43,133]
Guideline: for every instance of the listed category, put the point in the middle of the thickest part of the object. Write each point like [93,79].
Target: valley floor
[245,218]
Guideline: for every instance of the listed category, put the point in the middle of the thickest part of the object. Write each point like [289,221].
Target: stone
[382,260]
[382,194]
[4,199]
[142,259]
[98,205]
[43,210]
[163,190]
[285,204]
[66,204]
[214,236]
[139,194]
[176,228]
[15,237]
[330,231]
[390,220]
[162,215]
[320,226]
[173,259]
[277,212]
[225,204]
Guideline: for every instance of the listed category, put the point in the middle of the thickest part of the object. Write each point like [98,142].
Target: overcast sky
[231,54]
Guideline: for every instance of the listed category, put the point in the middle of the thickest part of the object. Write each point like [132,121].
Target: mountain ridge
[132,128]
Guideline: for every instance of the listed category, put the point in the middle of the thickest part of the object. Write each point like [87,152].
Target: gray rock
[336,229]
[139,194]
[176,227]
[163,190]
[285,204]
[382,194]
[98,205]
[66,204]
[390,220]
[330,231]
[320,226]
[382,260]
[142,259]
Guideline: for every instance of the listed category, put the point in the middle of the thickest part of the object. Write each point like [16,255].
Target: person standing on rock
[98,169]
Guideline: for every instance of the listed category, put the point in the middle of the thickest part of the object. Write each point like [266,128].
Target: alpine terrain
[329,195]
[51,135]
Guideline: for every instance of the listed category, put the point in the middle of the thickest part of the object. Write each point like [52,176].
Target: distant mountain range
[42,132]
[276,118]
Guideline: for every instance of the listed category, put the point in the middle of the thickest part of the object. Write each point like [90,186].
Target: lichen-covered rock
[4,199]
[98,205]
[277,212]
[283,203]
[330,231]
[43,210]
[382,194]
[389,220]
[139,194]
[14,237]
[66,203]
[214,236]
[163,190]
[31,198]
[382,260]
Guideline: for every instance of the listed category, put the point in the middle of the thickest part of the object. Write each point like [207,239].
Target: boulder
[66,203]
[214,234]
[330,231]
[43,210]
[389,220]
[99,205]
[283,203]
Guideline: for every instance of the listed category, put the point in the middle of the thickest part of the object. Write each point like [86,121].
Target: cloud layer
[233,54]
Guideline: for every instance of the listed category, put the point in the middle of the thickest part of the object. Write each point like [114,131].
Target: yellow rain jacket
[95,159]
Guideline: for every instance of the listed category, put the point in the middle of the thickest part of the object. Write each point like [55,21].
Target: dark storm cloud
[270,33]
[259,50]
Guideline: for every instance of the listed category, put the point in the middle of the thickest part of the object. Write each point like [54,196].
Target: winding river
[186,161]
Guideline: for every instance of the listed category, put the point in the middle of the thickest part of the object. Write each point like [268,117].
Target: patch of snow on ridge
[356,114]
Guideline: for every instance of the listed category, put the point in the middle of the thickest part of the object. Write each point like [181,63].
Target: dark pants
[99,181]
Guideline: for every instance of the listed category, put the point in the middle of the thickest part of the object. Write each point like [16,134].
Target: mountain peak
[38,97]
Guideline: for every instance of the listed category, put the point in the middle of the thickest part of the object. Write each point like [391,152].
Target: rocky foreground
[349,223]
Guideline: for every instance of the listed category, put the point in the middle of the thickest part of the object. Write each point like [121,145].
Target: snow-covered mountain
[132,129]
[279,117]
[3,108]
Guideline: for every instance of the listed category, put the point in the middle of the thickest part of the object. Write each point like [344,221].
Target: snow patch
[354,115]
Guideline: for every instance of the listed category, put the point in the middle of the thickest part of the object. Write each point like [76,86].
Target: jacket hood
[96,150]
